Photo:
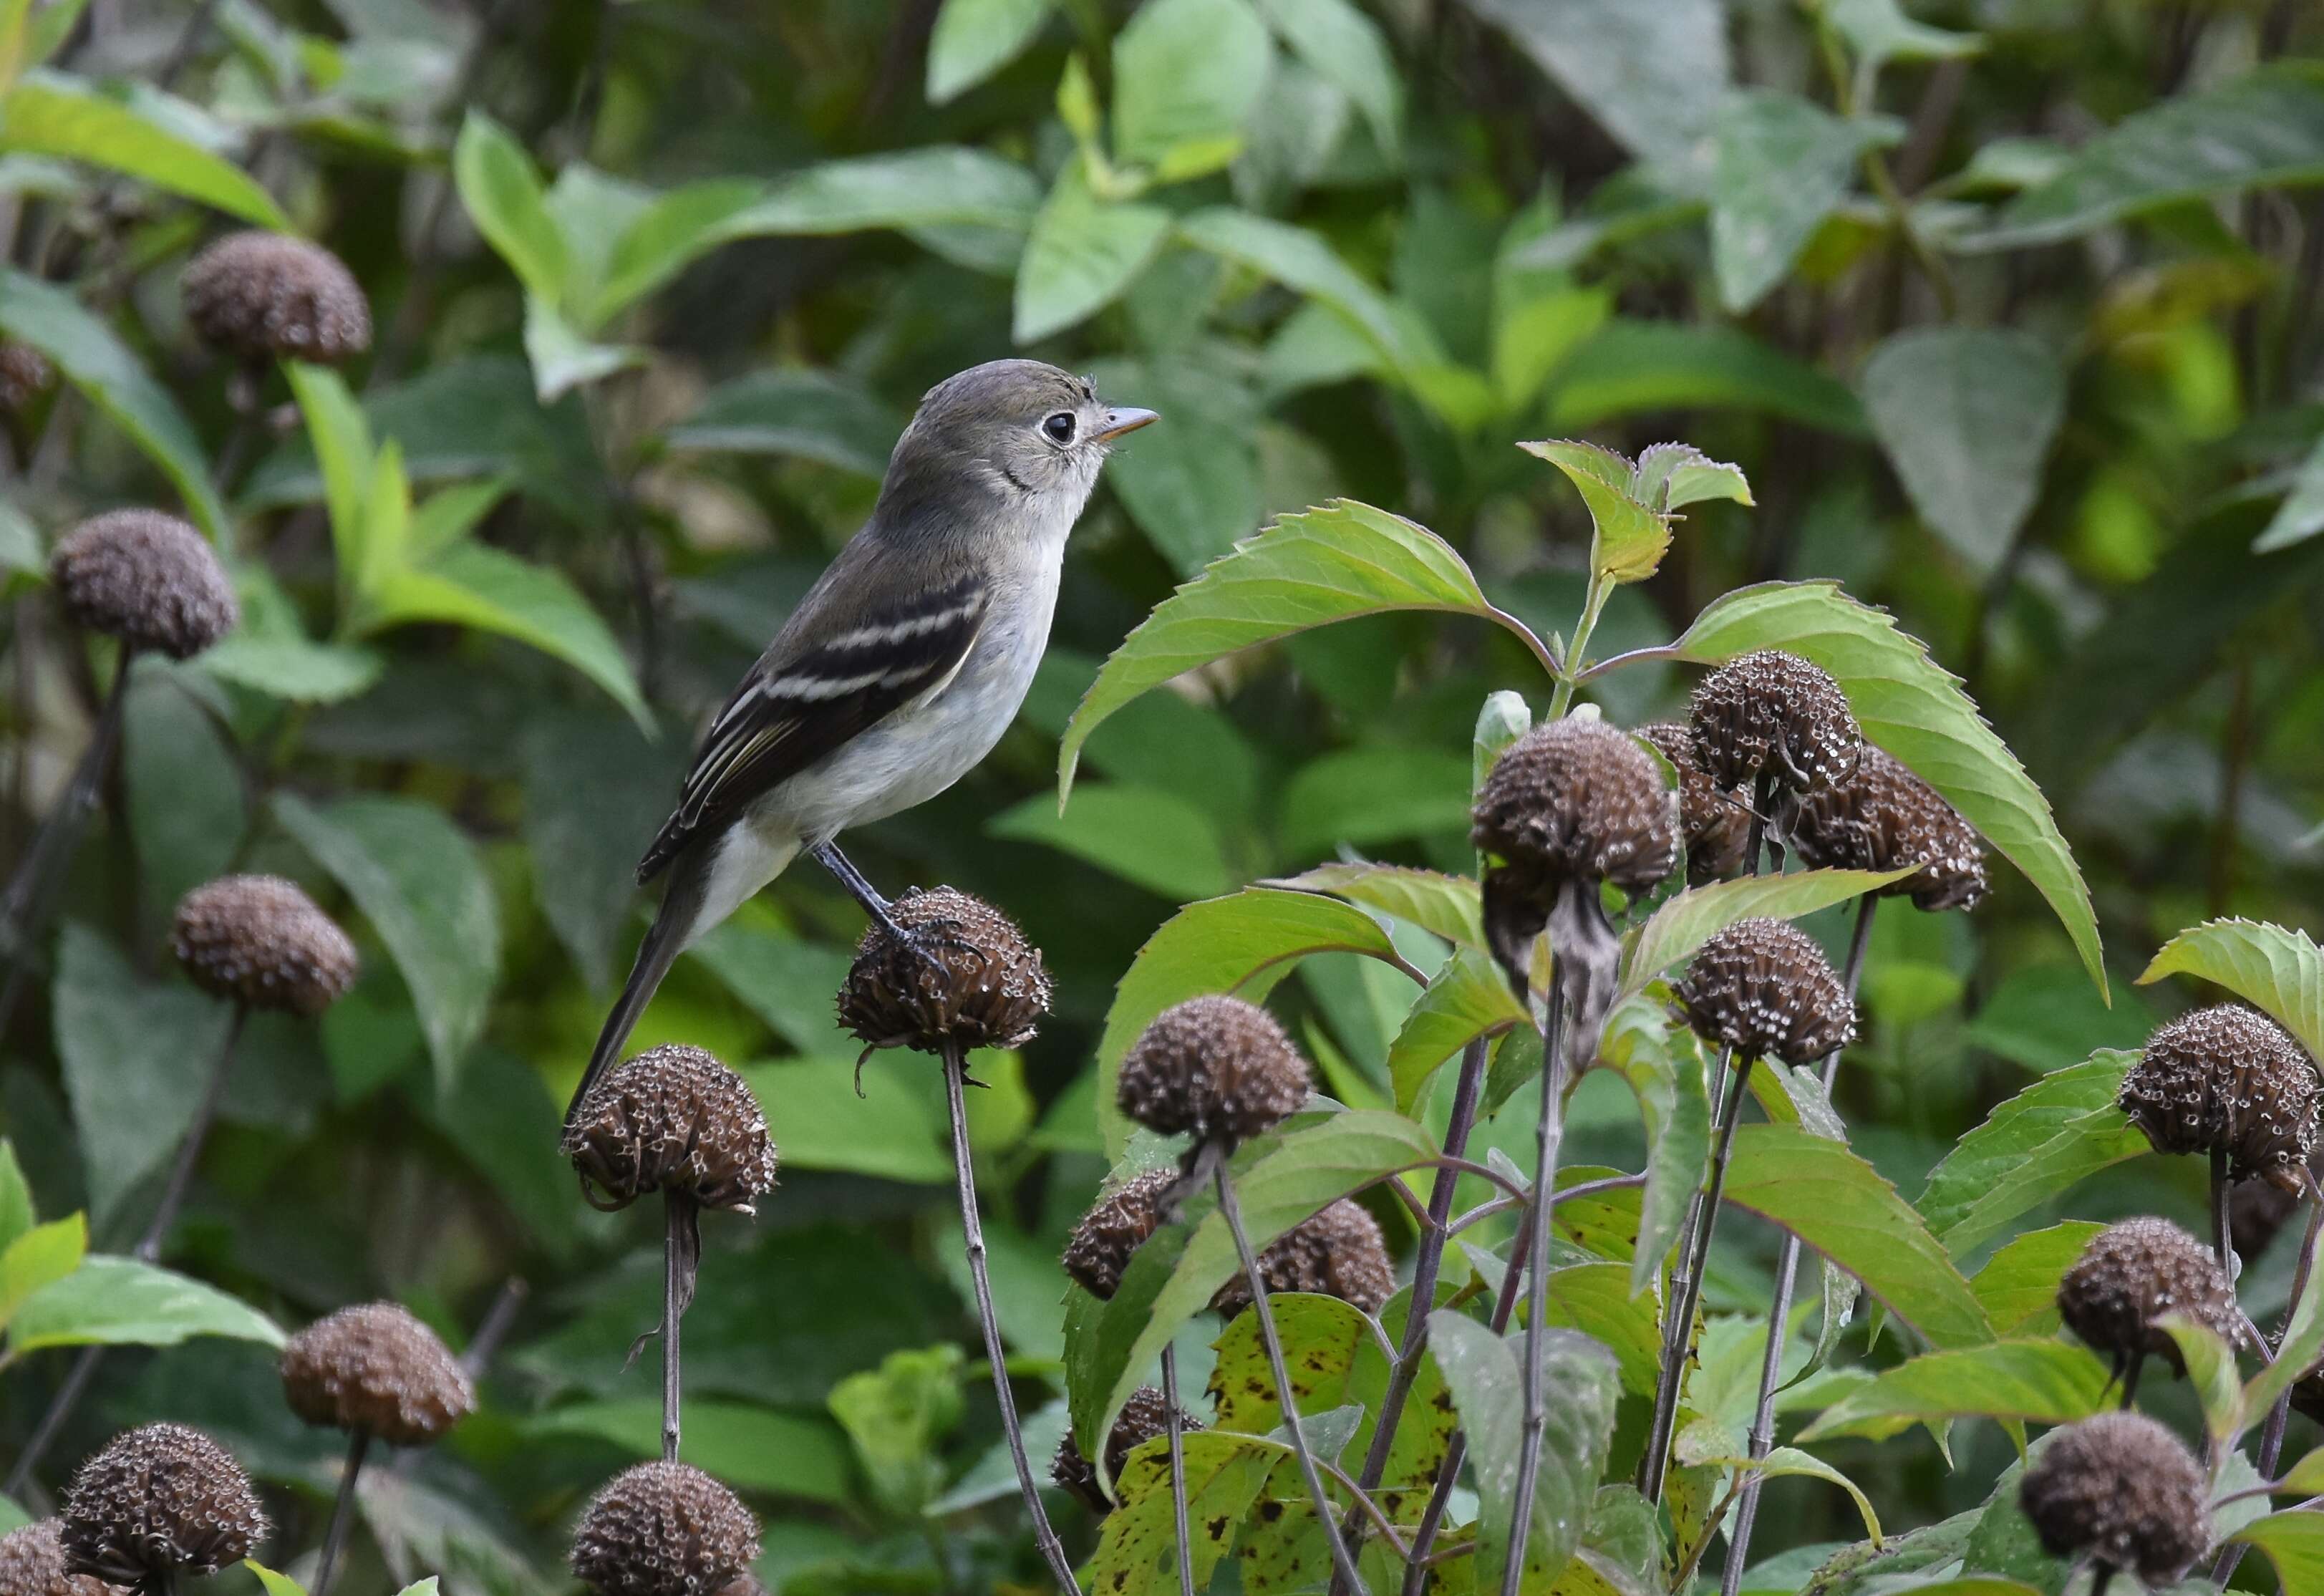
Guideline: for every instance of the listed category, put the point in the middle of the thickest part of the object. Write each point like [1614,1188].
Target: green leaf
[975,39]
[1661,1065]
[2300,516]
[1878,32]
[1138,1544]
[1186,75]
[813,415]
[562,359]
[1595,1299]
[897,1416]
[16,1213]
[1672,476]
[1781,164]
[1306,570]
[2278,971]
[1693,917]
[891,1132]
[2296,1353]
[2210,1365]
[2264,129]
[1082,252]
[273,1583]
[1578,1383]
[295,670]
[40,1256]
[592,787]
[1781,1462]
[50,113]
[1320,1337]
[2294,1540]
[935,187]
[423,886]
[2018,1285]
[1836,1203]
[1629,367]
[503,193]
[1445,905]
[1627,538]
[1360,797]
[342,440]
[187,788]
[746,1447]
[2049,1382]
[2060,1130]
[2305,1478]
[1468,1000]
[1916,710]
[1966,415]
[785,981]
[1347,50]
[2048,1016]
[1301,260]
[676,229]
[1192,485]
[1653,75]
[1150,838]
[120,1302]
[99,363]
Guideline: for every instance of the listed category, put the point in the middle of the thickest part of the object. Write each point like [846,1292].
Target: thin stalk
[1548,1136]
[675,1244]
[1232,1211]
[2130,1382]
[1176,1429]
[2222,1242]
[2271,1445]
[1787,1268]
[1561,697]
[971,1226]
[343,1514]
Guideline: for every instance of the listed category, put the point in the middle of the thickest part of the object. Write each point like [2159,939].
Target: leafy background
[2007,310]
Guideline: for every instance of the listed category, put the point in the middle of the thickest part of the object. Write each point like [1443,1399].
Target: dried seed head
[1774,714]
[26,374]
[1113,1229]
[969,977]
[1575,799]
[158,1502]
[1215,1067]
[1337,1252]
[147,579]
[664,1530]
[2121,1489]
[2232,1079]
[1884,817]
[1716,828]
[2129,1275]
[1764,988]
[267,296]
[32,1564]
[671,1119]
[260,940]
[375,1369]
[1144,1417]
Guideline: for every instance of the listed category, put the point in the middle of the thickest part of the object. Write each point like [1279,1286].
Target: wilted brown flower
[375,1369]
[32,1564]
[673,1119]
[1715,828]
[268,296]
[1337,1253]
[2227,1078]
[156,1502]
[1884,817]
[1217,1068]
[2122,1490]
[1144,1417]
[2129,1275]
[969,978]
[147,579]
[260,940]
[1112,1230]
[664,1530]
[1774,714]
[1764,988]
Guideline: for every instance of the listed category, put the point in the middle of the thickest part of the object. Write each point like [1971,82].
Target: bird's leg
[922,939]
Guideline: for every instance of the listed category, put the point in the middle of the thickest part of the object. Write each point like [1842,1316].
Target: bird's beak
[1128,419]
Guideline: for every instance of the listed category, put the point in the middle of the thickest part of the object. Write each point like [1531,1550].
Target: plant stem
[1548,1135]
[971,1226]
[1763,1422]
[674,1247]
[1232,1211]
[2271,1445]
[1178,1432]
[342,1514]
[2222,1242]
[1560,696]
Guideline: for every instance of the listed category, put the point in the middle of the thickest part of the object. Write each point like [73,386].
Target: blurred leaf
[812,414]
[1687,920]
[1155,840]
[1186,74]
[661,240]
[2296,1352]
[1779,1463]
[2048,1016]
[1966,415]
[1484,1375]
[40,1256]
[1444,905]
[341,439]
[2210,1366]
[97,362]
[892,1132]
[1082,252]
[1878,32]
[503,192]
[2019,1284]
[498,1112]
[790,983]
[1468,998]
[1915,709]
[2049,1382]
[933,187]
[16,1212]
[1138,1544]
[1347,50]
[2278,971]
[273,1583]
[2294,1540]
[293,669]
[1303,261]
[1364,796]
[1781,164]
[422,883]
[1653,75]
[897,1416]
[2262,129]
[1836,1203]
[1660,1064]
[749,1448]
[2300,516]
[1628,367]
[563,360]
[592,788]
[185,789]
[2060,1130]
[1192,483]
[120,1302]
[52,114]
[975,39]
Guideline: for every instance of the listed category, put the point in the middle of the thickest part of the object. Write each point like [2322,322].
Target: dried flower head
[671,1119]
[1217,1068]
[1337,1253]
[2227,1078]
[32,1564]
[2129,1275]
[1764,988]
[375,1369]
[260,940]
[1113,1229]
[268,296]
[1144,1417]
[147,579]
[158,1501]
[1884,817]
[26,374]
[2121,1489]
[1773,715]
[968,977]
[664,1530]
[1576,798]
[1715,828]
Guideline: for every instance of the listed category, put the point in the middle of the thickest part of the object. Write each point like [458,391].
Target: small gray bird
[901,666]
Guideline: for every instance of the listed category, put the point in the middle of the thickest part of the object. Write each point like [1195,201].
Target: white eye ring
[1059,427]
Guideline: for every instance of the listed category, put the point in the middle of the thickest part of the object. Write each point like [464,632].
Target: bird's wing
[793,709]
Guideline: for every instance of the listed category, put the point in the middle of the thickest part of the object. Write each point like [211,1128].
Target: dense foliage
[1993,332]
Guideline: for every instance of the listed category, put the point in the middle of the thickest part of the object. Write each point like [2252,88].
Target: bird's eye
[1060,427]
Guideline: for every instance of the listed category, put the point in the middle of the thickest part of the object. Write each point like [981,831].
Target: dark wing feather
[786,716]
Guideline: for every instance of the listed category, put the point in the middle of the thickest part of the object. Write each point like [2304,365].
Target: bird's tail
[681,908]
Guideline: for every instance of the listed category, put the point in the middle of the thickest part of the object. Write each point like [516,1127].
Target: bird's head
[1010,433]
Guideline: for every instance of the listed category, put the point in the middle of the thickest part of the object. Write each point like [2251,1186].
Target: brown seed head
[1144,1417]
[671,1119]
[1217,1068]
[157,1501]
[1337,1252]
[147,579]
[260,940]
[2129,1275]
[1774,715]
[971,978]
[32,1564]
[1716,828]
[1575,799]
[1113,1229]
[2228,1078]
[375,1369]
[268,296]
[1884,817]
[1764,988]
[664,1530]
[26,374]
[2120,1488]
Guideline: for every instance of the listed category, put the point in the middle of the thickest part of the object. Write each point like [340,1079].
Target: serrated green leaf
[1781,1462]
[1694,916]
[2040,1381]
[2060,1130]
[1627,539]
[121,1302]
[2277,971]
[2294,1540]
[1468,1000]
[52,113]
[1446,904]
[2018,1285]
[1673,476]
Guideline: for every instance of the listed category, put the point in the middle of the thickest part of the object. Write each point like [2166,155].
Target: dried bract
[2121,1489]
[375,1369]
[1113,1229]
[147,579]
[1144,1417]
[268,296]
[1216,1069]
[32,1564]
[261,941]
[1884,817]
[1337,1253]
[673,1119]
[966,977]
[1764,988]
[664,1530]
[1774,714]
[2227,1078]
[156,1502]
